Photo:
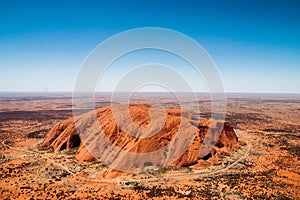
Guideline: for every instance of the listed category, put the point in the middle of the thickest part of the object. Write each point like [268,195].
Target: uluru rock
[137,135]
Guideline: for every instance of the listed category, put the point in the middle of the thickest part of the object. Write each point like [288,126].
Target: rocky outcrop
[152,130]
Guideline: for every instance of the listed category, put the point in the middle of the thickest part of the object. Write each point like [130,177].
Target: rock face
[150,131]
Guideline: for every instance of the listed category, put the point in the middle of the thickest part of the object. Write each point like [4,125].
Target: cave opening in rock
[74,141]
[63,146]
[208,156]
[147,164]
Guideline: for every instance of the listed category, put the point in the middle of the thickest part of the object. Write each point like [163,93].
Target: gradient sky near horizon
[255,44]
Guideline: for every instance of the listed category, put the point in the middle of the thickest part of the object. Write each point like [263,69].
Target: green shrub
[43,148]
[72,151]
[162,170]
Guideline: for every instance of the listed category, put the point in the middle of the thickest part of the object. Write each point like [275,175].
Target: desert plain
[265,166]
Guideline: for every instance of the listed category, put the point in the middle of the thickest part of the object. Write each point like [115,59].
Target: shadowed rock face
[151,131]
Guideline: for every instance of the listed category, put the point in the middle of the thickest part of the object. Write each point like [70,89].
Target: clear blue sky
[255,44]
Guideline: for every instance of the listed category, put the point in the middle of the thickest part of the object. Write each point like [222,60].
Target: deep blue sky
[255,44]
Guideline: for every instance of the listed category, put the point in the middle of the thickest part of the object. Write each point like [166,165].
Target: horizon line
[201,92]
